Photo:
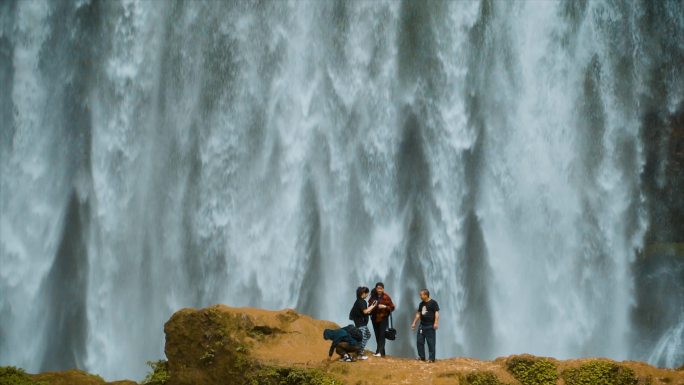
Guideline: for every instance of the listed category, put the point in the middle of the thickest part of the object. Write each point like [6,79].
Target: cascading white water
[669,348]
[278,154]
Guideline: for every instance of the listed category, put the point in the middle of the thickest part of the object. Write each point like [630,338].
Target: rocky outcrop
[222,345]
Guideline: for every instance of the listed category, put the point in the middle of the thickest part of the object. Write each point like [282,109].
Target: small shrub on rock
[291,376]
[600,373]
[480,378]
[159,374]
[533,371]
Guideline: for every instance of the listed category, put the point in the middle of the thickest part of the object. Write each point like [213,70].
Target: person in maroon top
[380,316]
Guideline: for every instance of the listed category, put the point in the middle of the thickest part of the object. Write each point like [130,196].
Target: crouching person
[342,343]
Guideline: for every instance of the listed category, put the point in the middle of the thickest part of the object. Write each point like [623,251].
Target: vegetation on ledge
[600,373]
[159,374]
[10,375]
[480,378]
[531,370]
[291,376]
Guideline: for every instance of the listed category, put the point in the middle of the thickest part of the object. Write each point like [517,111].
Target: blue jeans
[426,333]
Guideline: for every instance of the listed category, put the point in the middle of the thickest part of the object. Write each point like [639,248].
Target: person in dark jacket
[342,343]
[380,316]
[360,313]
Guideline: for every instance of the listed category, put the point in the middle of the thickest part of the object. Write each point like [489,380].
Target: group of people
[350,341]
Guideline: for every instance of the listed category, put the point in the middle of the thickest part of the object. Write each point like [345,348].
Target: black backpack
[354,332]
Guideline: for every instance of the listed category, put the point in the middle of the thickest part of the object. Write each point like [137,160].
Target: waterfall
[161,155]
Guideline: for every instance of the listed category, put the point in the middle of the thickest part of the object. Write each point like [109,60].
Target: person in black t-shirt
[359,314]
[428,314]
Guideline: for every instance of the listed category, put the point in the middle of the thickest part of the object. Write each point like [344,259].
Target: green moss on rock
[600,373]
[533,371]
[211,346]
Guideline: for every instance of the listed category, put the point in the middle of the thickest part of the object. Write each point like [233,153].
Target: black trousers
[379,330]
[345,348]
[426,333]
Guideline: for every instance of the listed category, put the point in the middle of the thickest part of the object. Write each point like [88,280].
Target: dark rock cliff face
[675,173]
[663,176]
[659,269]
